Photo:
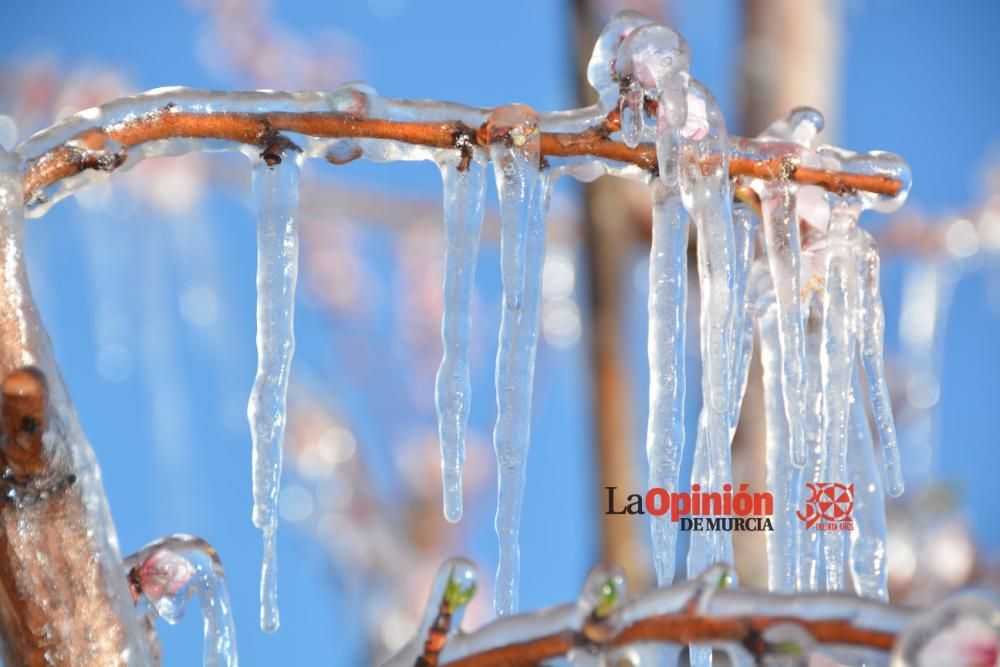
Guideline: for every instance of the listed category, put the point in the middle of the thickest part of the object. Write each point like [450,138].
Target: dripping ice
[166,574]
[464,192]
[514,148]
[276,192]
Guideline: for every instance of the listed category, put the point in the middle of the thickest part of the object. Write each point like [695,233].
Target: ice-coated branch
[173,120]
[700,611]
[50,575]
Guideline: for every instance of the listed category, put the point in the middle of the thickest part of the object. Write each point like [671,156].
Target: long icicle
[744,308]
[781,240]
[464,193]
[276,193]
[836,366]
[708,199]
[867,556]
[810,541]
[872,331]
[515,371]
[667,326]
[783,479]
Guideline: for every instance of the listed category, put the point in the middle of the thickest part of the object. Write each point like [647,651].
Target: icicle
[167,573]
[781,239]
[872,331]
[783,479]
[653,60]
[867,555]
[928,288]
[810,541]
[708,199]
[514,148]
[836,367]
[464,193]
[276,192]
[667,326]
[744,307]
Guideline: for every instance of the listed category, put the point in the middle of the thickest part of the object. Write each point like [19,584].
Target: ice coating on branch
[87,561]
[867,555]
[705,191]
[604,591]
[652,64]
[801,125]
[464,193]
[667,326]
[454,586]
[872,163]
[784,256]
[837,362]
[515,149]
[601,70]
[515,371]
[872,334]
[167,573]
[276,194]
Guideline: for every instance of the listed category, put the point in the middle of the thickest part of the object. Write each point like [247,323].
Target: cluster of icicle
[604,610]
[813,292]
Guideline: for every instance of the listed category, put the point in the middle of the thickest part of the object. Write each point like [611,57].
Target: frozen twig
[155,117]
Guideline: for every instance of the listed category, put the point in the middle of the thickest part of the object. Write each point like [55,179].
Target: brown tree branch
[106,147]
[54,604]
[692,625]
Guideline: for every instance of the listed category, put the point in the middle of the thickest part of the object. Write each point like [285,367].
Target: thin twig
[106,148]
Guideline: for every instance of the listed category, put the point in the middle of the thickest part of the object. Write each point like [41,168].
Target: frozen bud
[353,99]
[657,59]
[514,126]
[603,591]
[813,206]
[601,69]
[164,573]
[696,125]
[800,126]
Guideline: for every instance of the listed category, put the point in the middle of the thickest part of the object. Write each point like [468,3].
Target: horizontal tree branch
[105,147]
[691,612]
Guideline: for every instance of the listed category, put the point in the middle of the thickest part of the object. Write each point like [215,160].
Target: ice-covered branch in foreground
[607,627]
